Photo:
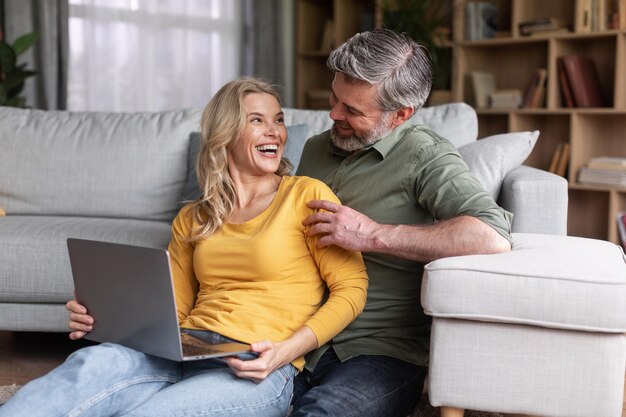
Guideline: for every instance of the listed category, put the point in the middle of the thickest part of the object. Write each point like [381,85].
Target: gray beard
[360,140]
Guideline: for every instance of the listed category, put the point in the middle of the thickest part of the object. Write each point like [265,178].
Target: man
[408,199]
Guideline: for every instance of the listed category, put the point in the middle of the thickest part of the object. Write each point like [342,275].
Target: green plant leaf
[16,78]
[24,42]
[7,59]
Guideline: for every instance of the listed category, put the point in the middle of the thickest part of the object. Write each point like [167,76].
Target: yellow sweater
[264,279]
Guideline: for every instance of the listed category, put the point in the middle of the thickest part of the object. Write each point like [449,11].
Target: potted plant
[12,74]
[426,21]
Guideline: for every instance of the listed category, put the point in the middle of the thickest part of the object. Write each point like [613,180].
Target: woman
[244,269]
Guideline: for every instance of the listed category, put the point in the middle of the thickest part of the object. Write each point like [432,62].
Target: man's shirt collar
[383,146]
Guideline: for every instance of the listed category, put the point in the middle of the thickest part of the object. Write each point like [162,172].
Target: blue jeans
[363,386]
[112,380]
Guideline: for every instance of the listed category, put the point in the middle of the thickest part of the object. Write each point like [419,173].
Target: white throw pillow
[491,158]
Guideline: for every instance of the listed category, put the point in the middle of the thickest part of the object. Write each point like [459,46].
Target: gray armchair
[536,331]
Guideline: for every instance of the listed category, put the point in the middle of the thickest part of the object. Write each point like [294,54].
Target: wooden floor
[25,356]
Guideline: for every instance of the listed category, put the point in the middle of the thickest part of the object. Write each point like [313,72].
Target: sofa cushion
[549,281]
[493,157]
[33,250]
[297,135]
[456,122]
[129,165]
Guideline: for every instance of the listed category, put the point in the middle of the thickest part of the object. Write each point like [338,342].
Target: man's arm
[464,235]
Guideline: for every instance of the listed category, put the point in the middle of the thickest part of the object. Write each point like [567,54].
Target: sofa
[122,177]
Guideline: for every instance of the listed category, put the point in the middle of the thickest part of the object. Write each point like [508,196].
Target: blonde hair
[223,122]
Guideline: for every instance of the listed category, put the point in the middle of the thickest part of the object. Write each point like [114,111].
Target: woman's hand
[81,323]
[273,355]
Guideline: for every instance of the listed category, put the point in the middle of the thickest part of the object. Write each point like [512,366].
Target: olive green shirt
[411,176]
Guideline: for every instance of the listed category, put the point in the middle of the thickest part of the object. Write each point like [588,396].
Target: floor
[25,356]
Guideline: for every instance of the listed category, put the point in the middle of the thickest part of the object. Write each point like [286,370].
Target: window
[151,55]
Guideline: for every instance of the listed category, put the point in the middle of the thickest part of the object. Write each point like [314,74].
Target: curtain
[49,56]
[268,42]
[151,55]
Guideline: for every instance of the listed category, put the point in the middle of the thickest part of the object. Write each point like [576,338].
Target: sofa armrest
[537,199]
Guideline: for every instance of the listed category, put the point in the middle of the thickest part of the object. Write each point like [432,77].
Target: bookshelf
[316,22]
[590,132]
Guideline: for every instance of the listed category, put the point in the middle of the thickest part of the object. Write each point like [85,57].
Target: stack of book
[505,99]
[604,170]
[542,26]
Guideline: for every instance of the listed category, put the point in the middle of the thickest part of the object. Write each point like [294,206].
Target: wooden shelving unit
[590,132]
[312,17]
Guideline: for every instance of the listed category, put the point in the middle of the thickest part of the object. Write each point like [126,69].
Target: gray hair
[397,65]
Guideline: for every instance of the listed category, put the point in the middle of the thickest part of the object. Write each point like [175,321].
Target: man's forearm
[463,235]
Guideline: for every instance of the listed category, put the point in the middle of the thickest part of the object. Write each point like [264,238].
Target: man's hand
[342,226]
[81,323]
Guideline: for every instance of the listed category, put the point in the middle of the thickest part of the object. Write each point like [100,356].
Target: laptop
[129,292]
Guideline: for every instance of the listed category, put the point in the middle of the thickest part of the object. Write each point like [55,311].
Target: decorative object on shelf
[481,20]
[583,80]
[425,21]
[482,85]
[12,74]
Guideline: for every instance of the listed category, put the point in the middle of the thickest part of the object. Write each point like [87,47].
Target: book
[566,90]
[607,162]
[583,16]
[536,91]
[561,168]
[554,162]
[584,81]
[481,84]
